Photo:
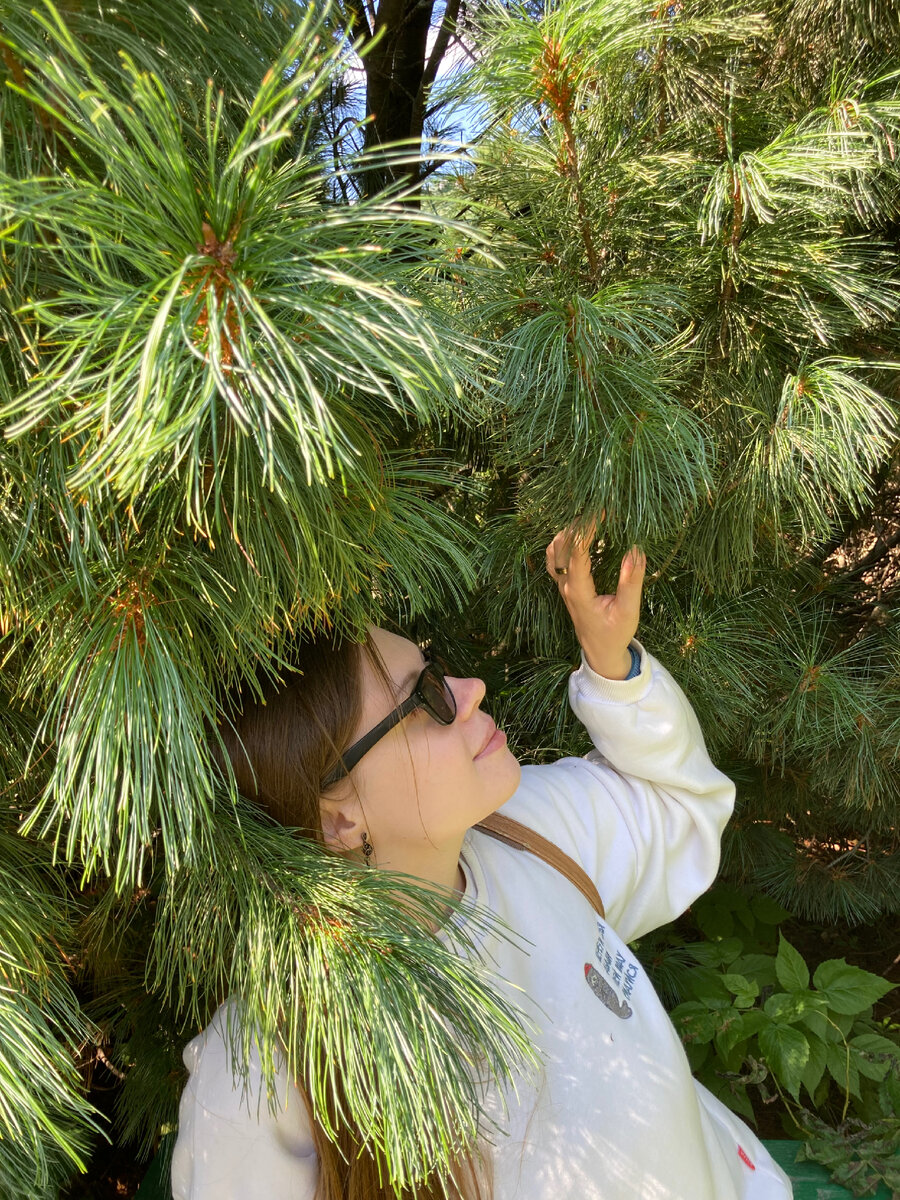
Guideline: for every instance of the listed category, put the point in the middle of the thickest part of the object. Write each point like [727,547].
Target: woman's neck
[431,864]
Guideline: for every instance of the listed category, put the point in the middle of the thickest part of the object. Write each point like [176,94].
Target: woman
[616,1114]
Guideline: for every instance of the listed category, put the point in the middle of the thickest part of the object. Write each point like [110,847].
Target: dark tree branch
[882,547]
[851,524]
[430,169]
[360,23]
[438,50]
[434,108]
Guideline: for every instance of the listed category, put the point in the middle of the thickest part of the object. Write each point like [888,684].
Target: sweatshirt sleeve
[229,1145]
[644,811]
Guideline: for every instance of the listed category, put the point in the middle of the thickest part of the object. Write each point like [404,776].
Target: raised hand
[604,625]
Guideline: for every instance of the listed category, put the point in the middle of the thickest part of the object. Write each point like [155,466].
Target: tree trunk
[395,69]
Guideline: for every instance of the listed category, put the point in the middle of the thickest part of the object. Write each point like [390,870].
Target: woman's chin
[510,772]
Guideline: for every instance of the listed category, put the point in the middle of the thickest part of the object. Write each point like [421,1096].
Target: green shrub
[761,1028]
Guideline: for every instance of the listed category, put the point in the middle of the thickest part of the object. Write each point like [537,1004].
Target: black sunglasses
[431,693]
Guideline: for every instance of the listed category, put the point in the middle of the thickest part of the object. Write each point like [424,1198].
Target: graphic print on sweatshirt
[613,982]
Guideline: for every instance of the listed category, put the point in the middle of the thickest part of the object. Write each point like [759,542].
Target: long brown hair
[281,739]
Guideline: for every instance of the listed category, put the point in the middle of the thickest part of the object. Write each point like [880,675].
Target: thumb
[631,578]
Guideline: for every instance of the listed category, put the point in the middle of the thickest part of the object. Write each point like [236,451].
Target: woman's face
[423,784]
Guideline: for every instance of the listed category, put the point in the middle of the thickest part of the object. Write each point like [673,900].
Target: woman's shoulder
[227,1078]
[238,1139]
[212,1043]
[552,796]
[213,1057]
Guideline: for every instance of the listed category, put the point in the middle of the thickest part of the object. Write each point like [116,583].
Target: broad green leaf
[792,971]
[876,1043]
[738,1101]
[709,988]
[753,1021]
[829,1026]
[735,1031]
[869,1067]
[695,1022]
[731,1063]
[790,1007]
[767,910]
[731,1092]
[872,1054]
[747,999]
[787,1052]
[759,967]
[849,989]
[889,1093]
[717,954]
[697,1054]
[745,991]
[743,914]
[716,922]
[841,1067]
[815,1065]
[730,1034]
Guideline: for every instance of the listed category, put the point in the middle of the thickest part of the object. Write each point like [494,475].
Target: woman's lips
[495,742]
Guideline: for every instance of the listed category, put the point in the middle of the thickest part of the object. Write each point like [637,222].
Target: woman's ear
[343,823]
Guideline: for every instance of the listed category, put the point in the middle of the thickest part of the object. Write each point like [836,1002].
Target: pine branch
[357,980]
[45,1124]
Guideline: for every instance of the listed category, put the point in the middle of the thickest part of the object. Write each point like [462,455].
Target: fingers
[565,556]
[631,577]
[569,542]
[633,567]
[569,565]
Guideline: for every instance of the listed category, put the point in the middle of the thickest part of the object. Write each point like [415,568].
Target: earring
[367,848]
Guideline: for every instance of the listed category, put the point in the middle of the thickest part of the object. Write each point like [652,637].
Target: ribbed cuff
[622,691]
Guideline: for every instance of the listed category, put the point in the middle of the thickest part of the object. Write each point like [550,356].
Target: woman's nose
[468,694]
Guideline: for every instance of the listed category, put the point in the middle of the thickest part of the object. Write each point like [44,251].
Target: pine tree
[211,369]
[662,296]
[694,327]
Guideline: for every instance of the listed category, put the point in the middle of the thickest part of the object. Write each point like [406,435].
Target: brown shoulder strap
[520,837]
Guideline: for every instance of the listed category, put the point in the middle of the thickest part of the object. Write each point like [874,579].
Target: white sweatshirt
[615,1114]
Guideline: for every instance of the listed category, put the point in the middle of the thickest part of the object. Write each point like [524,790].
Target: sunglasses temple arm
[355,752]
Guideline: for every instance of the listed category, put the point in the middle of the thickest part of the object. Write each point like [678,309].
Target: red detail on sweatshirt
[587,970]
[744,1158]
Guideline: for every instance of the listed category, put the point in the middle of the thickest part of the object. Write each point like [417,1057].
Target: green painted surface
[811,1181]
